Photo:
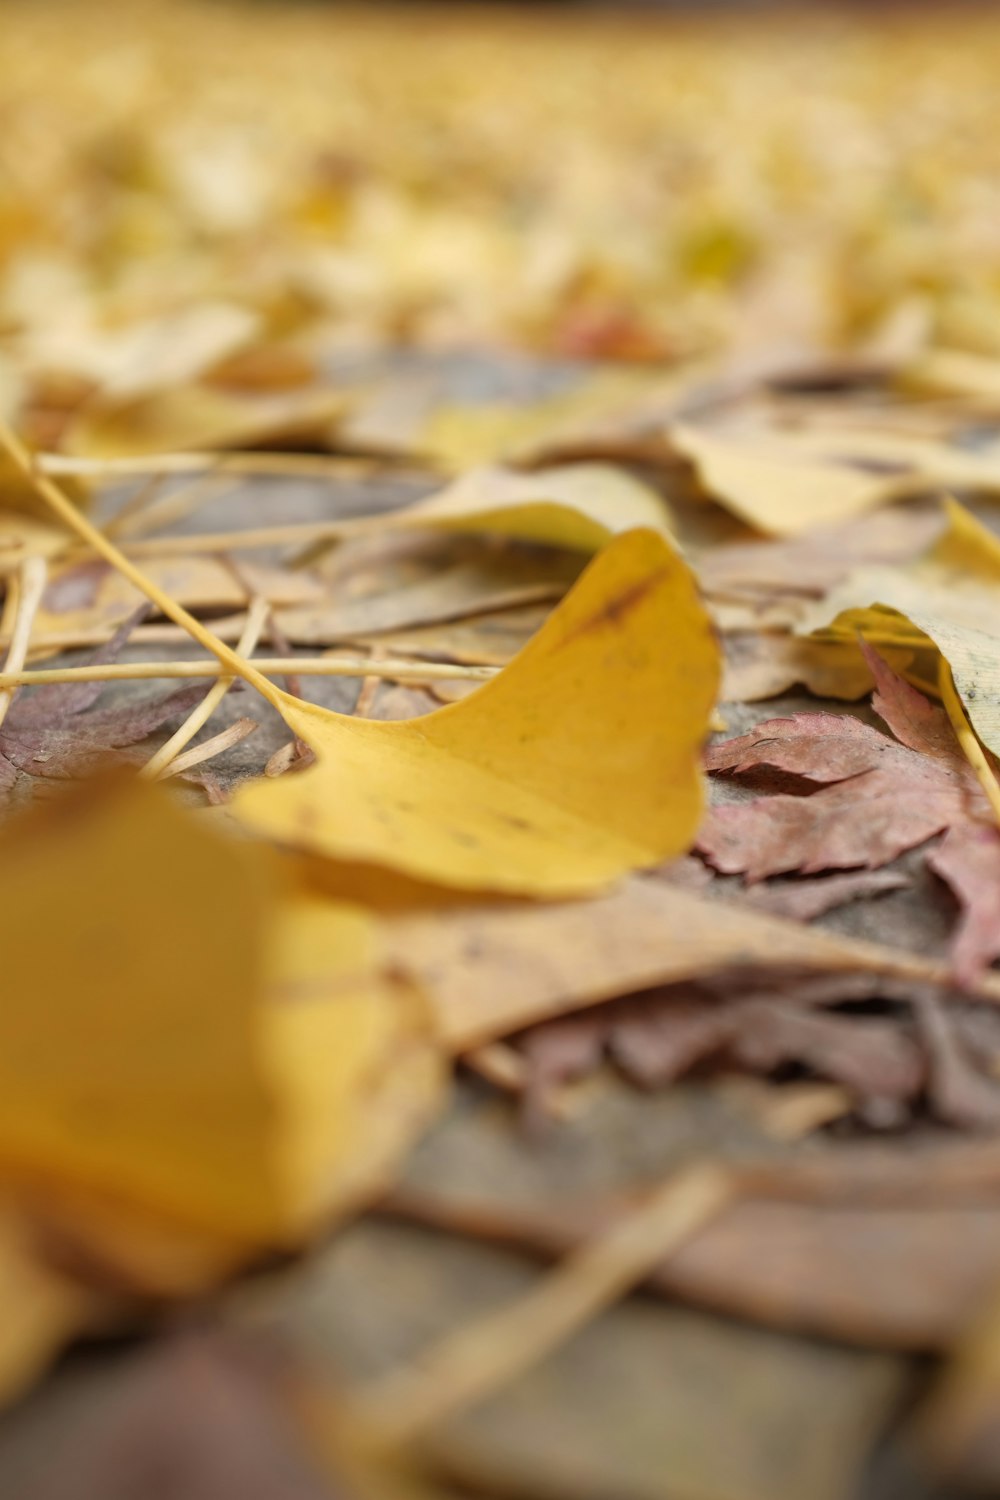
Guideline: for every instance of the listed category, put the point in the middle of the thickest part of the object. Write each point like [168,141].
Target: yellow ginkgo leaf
[578,763]
[573,505]
[203,1041]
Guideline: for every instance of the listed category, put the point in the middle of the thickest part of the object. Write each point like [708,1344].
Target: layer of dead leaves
[517,917]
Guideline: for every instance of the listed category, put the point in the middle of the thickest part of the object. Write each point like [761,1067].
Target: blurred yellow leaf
[201,416]
[203,1043]
[574,505]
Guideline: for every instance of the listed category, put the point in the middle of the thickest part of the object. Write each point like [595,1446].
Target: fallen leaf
[877,797]
[201,1415]
[894,1277]
[199,1156]
[49,733]
[659,1038]
[370,590]
[958,1090]
[577,764]
[821,557]
[43,1306]
[85,598]
[491,970]
[578,505]
[946,600]
[202,416]
[766,666]
[804,900]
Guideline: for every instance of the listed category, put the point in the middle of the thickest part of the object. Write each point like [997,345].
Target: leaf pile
[516,917]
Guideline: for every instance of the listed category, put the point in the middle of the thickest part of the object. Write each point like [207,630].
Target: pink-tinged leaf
[821,747]
[863,822]
[913,719]
[968,860]
[877,798]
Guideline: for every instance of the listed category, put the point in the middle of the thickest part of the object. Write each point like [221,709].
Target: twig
[209,749]
[269,666]
[369,688]
[500,1064]
[61,505]
[467,1366]
[30,588]
[199,716]
[68,465]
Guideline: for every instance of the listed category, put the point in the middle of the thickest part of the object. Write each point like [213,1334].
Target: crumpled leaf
[253,1079]
[877,797]
[659,1038]
[575,765]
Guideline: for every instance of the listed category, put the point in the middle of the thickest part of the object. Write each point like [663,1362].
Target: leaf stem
[30,588]
[60,504]
[159,764]
[269,666]
[467,1366]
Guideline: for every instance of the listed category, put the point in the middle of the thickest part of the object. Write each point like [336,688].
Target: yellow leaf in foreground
[948,601]
[186,1038]
[578,763]
[573,505]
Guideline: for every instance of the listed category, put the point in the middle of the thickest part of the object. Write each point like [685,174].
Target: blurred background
[577,181]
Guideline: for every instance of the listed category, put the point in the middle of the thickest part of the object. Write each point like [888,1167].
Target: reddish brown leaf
[878,796]
[47,732]
[657,1039]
